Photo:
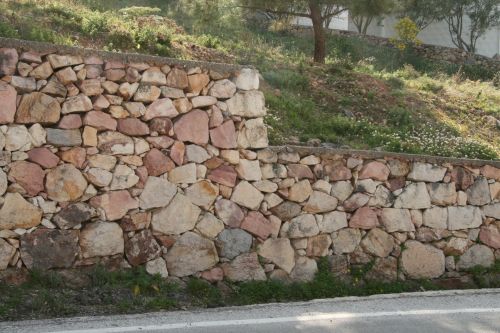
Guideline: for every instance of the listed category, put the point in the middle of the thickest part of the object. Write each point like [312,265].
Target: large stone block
[178,217]
[10,216]
[247,104]
[466,217]
[420,261]
[8,98]
[65,183]
[245,267]
[425,172]
[190,254]
[45,248]
[280,252]
[233,242]
[99,239]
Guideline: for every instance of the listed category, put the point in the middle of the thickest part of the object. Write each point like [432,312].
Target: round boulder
[65,183]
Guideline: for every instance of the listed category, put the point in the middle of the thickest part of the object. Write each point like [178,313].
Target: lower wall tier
[271,213]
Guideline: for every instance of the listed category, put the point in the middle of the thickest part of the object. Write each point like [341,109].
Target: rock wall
[128,160]
[439,53]
[434,52]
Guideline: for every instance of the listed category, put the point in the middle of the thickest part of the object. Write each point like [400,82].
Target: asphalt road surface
[476,311]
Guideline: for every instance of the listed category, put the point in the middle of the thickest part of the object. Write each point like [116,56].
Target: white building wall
[435,34]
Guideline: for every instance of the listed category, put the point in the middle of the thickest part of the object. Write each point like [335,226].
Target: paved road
[451,311]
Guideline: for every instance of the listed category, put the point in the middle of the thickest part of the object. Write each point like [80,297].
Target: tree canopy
[363,12]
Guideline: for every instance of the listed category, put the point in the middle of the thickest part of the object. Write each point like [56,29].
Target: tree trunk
[319,32]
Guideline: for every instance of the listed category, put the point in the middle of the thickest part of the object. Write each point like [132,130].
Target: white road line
[263,321]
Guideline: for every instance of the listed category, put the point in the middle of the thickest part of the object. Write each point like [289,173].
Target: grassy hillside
[366,96]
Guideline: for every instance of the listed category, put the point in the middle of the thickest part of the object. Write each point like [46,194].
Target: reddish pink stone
[8,61]
[356,201]
[395,184]
[224,136]
[491,172]
[364,218]
[462,178]
[162,126]
[28,175]
[93,71]
[160,142]
[115,204]
[157,163]
[100,120]
[256,224]
[114,65]
[161,108]
[93,60]
[133,127]
[114,74]
[30,57]
[166,240]
[300,171]
[192,127]
[142,173]
[214,163]
[177,152]
[216,118]
[337,172]
[8,98]
[490,236]
[229,212]
[375,170]
[75,156]
[177,78]
[100,103]
[70,121]
[213,275]
[224,175]
[44,157]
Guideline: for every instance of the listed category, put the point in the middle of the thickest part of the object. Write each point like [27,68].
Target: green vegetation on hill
[365,96]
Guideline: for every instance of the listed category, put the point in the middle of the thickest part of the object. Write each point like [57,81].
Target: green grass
[487,277]
[97,291]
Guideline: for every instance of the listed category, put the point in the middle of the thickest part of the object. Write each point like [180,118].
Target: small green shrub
[287,79]
[121,37]
[6,30]
[431,85]
[59,9]
[94,23]
[399,117]
[395,83]
[408,72]
[146,38]
[496,79]
[45,35]
[406,34]
[212,42]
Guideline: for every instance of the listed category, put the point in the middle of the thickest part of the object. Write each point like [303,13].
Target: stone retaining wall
[128,160]
[434,52]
